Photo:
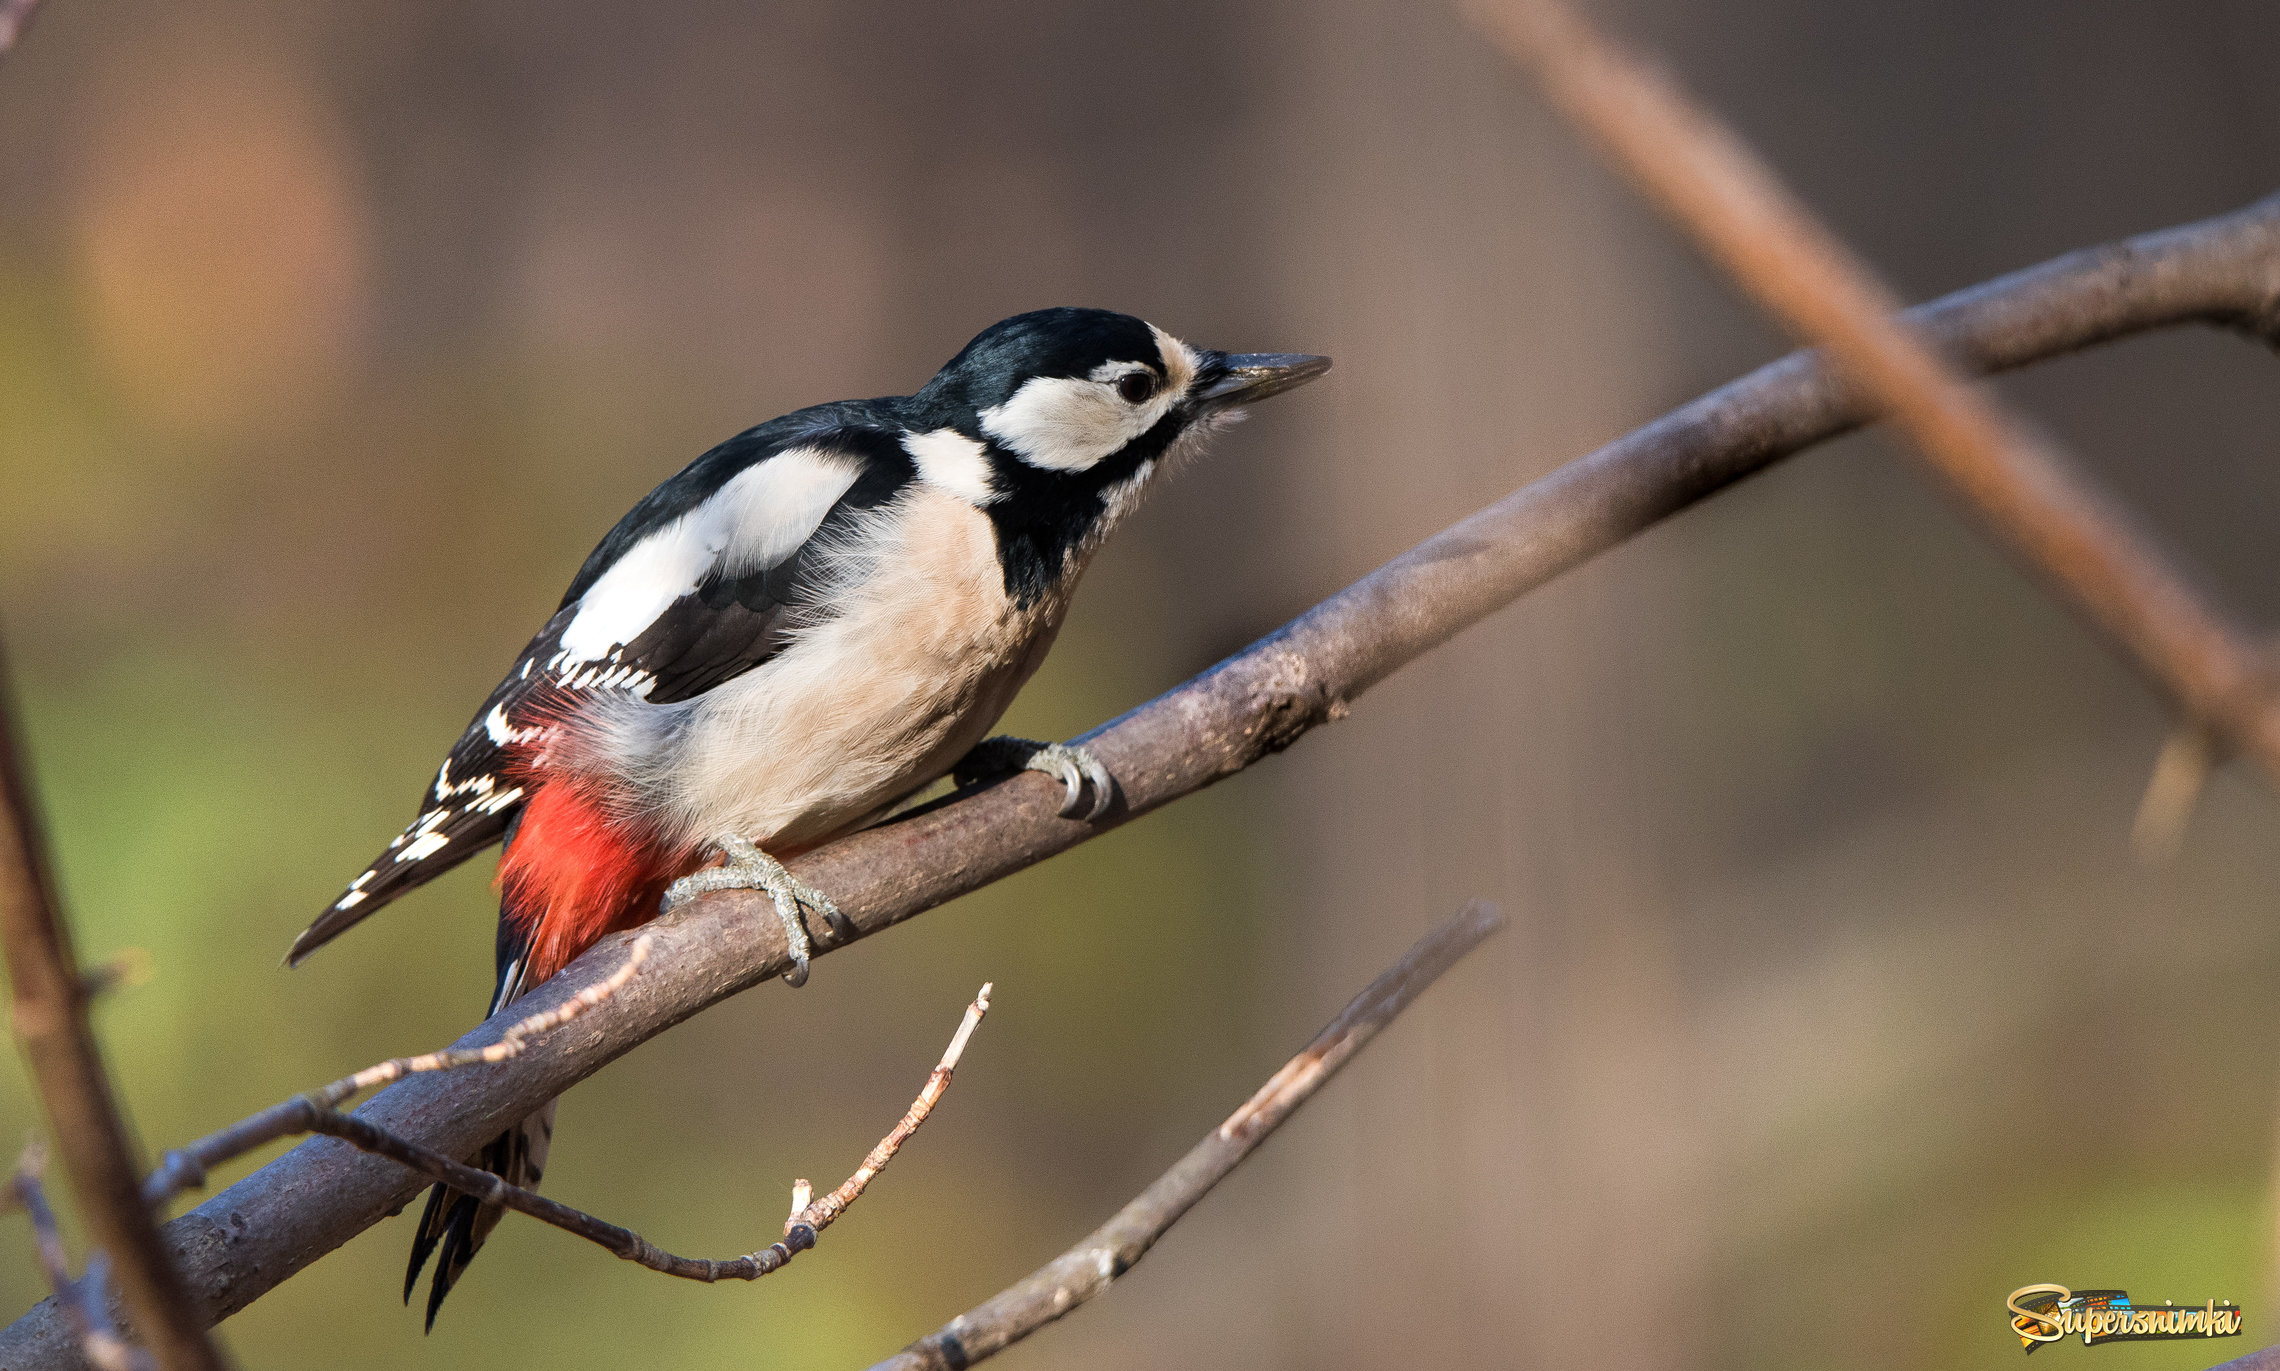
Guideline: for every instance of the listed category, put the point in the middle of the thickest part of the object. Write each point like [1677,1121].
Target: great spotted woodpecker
[809,623]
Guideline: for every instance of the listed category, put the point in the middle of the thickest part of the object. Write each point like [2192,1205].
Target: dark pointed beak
[1238,378]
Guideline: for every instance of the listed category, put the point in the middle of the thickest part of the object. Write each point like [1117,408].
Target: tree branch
[1712,185]
[1118,1245]
[49,1015]
[255,1234]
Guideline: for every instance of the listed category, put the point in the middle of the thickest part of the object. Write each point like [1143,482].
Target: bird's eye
[1136,387]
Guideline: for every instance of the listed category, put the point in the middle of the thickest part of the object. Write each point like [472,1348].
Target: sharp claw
[748,868]
[1104,793]
[1075,768]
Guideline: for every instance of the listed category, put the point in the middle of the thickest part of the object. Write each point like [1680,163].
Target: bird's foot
[748,868]
[1075,767]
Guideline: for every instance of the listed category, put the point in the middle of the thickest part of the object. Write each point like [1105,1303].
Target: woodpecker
[775,647]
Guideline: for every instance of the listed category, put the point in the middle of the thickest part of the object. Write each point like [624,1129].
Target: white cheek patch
[756,520]
[951,461]
[1062,423]
[1067,423]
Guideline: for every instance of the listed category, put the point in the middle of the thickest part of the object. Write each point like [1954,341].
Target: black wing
[730,623]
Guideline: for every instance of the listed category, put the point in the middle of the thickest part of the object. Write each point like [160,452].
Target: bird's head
[1069,404]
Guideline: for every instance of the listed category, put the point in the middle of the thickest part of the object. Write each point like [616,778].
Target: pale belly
[861,709]
[797,756]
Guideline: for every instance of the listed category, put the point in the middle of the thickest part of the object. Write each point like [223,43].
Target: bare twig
[313,1113]
[1118,1245]
[49,1013]
[819,1214]
[2180,774]
[1713,186]
[86,1302]
[131,967]
[15,17]
[185,1168]
[243,1241]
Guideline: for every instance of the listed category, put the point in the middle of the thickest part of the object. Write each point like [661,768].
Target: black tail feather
[423,1241]
[459,1244]
[457,1223]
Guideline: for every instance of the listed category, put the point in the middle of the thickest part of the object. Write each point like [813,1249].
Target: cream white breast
[920,653]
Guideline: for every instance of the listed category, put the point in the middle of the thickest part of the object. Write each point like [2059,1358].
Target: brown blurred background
[1835,1008]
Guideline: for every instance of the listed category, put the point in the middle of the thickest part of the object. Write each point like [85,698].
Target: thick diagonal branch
[261,1230]
[1114,1248]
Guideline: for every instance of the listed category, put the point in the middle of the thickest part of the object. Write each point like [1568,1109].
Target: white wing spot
[422,847]
[493,804]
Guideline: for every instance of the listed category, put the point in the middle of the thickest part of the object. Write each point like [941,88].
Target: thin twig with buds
[820,1214]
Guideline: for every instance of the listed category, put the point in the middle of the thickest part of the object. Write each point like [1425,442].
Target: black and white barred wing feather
[698,584]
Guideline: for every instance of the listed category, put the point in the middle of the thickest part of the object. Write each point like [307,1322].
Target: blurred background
[1834,1006]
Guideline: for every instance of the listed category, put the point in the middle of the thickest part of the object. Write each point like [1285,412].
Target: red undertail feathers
[573,874]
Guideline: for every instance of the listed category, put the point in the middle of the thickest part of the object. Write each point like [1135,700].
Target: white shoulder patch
[772,508]
[954,462]
[756,520]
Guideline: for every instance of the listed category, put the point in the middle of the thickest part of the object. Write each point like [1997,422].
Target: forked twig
[809,1217]
[315,1112]
[1116,1246]
[185,1168]
[86,1302]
